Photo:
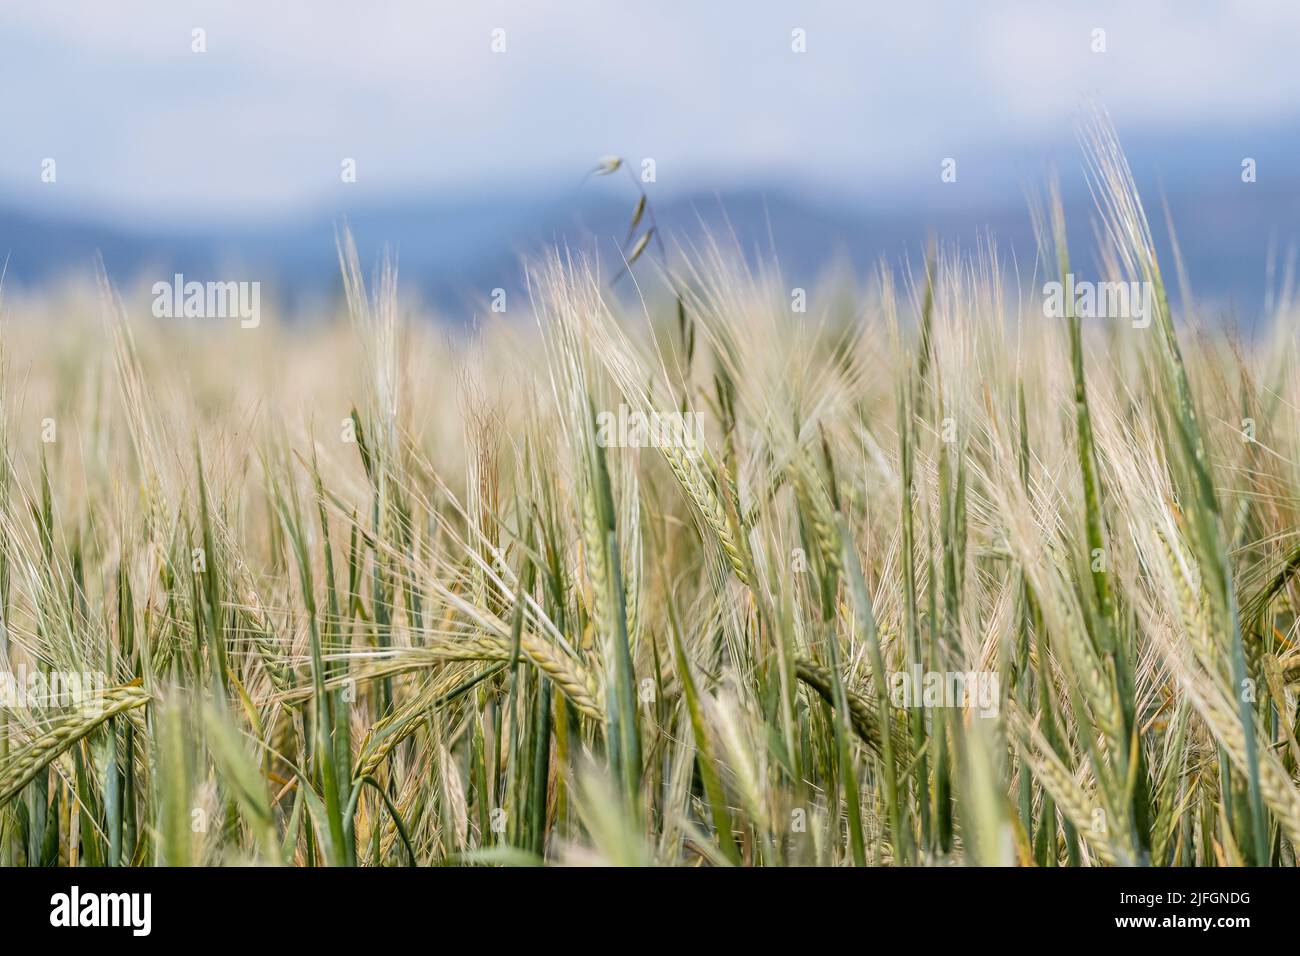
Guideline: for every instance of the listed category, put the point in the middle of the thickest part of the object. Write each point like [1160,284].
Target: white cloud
[261,121]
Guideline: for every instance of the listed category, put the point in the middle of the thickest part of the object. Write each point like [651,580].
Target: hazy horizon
[431,132]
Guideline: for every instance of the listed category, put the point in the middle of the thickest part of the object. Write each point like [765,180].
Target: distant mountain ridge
[454,252]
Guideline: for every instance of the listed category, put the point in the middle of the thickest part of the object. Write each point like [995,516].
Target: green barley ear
[705,757]
[864,620]
[241,773]
[624,733]
[175,764]
[24,763]
[1185,443]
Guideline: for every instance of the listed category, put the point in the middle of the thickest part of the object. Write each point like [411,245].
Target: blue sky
[145,131]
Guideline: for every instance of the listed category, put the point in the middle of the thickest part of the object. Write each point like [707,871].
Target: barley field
[930,579]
